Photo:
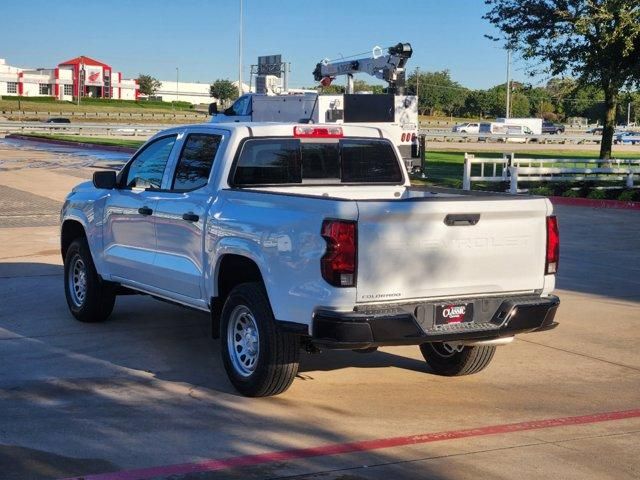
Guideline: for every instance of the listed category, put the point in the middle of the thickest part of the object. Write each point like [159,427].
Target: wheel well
[233,270]
[71,229]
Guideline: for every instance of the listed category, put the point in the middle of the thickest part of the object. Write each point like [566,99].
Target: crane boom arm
[389,67]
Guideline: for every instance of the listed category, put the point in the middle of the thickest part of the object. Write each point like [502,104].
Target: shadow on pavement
[599,251]
[145,388]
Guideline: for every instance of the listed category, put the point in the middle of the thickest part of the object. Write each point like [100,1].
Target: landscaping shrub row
[585,190]
[15,98]
[107,102]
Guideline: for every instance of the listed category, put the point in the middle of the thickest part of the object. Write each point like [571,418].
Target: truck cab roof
[268,129]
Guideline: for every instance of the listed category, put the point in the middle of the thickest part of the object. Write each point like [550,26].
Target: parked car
[595,131]
[305,236]
[466,128]
[552,128]
[57,120]
[627,137]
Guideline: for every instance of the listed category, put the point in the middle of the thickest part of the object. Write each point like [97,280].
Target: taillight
[339,262]
[413,137]
[317,132]
[553,245]
[403,137]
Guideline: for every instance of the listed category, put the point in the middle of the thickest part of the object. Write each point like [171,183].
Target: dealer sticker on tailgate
[454,313]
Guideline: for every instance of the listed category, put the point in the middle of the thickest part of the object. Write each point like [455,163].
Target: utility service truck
[298,236]
[393,111]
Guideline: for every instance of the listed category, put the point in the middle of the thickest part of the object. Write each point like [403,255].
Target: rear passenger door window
[195,162]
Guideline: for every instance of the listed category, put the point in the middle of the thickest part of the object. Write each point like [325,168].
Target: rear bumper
[413,324]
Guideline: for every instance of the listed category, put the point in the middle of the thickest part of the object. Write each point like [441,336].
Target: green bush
[543,191]
[571,193]
[597,194]
[629,195]
[612,193]
[560,187]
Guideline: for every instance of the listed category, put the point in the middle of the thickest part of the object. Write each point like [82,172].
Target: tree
[597,41]
[148,85]
[362,86]
[332,89]
[224,90]
[477,103]
[437,91]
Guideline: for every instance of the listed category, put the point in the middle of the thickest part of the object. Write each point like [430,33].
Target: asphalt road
[147,390]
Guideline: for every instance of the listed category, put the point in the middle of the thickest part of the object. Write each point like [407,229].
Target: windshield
[286,161]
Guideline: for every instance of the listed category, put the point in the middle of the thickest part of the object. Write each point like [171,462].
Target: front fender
[89,214]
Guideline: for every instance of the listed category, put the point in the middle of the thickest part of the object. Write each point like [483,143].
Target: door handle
[145,211]
[461,220]
[190,217]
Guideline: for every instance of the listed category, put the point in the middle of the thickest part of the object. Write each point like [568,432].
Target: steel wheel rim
[243,341]
[78,281]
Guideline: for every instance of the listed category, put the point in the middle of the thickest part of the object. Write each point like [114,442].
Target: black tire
[465,361]
[96,303]
[272,369]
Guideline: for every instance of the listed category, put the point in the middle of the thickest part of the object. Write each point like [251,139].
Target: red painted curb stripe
[595,203]
[362,446]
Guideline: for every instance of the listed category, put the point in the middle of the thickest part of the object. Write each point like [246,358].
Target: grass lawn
[47,104]
[93,140]
[445,168]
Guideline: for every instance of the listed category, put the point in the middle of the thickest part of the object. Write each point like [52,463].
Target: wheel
[259,359]
[455,360]
[88,297]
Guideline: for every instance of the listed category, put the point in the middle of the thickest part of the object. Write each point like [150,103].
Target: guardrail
[512,169]
[436,135]
[27,113]
[80,128]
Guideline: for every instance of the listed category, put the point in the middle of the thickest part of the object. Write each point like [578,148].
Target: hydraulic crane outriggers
[389,67]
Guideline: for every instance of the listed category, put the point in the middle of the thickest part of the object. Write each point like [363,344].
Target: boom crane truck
[393,111]
[389,67]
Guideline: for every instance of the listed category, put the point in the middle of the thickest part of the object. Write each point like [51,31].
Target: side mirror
[213,108]
[105,179]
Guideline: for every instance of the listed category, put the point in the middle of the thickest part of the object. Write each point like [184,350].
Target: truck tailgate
[415,249]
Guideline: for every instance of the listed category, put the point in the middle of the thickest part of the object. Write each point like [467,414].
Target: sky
[200,37]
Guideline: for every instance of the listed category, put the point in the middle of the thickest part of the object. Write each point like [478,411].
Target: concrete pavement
[147,388]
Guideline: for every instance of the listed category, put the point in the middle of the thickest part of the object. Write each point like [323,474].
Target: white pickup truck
[309,236]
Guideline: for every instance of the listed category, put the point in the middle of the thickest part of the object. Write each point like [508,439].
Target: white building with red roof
[84,75]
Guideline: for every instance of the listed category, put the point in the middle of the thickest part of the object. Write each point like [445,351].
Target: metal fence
[119,115]
[511,169]
[80,128]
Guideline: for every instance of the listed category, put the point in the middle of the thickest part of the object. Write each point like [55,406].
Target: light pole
[418,89]
[508,106]
[240,54]
[80,78]
[177,84]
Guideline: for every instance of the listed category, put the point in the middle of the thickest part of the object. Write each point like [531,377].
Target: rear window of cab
[291,161]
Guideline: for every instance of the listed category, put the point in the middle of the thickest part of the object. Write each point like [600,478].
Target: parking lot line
[353,447]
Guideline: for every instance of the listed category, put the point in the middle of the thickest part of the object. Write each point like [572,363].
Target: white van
[505,132]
